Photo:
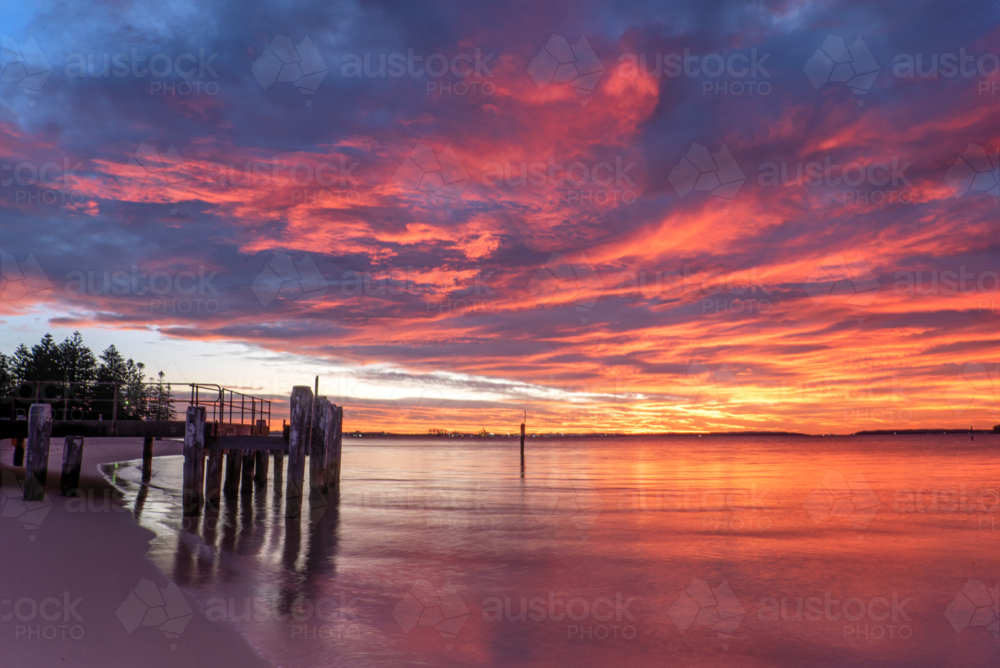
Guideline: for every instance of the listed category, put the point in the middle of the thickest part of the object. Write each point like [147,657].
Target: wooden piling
[279,473]
[213,478]
[147,458]
[300,407]
[260,468]
[249,458]
[329,445]
[522,445]
[322,442]
[338,442]
[194,460]
[234,464]
[72,459]
[18,451]
[39,433]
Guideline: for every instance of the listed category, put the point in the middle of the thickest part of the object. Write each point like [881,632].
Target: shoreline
[89,554]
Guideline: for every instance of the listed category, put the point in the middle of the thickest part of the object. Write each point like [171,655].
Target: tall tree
[6,375]
[76,360]
[38,364]
[128,375]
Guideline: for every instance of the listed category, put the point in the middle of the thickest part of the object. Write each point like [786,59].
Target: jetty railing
[99,400]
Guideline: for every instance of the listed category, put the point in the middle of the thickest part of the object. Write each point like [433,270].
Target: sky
[615,217]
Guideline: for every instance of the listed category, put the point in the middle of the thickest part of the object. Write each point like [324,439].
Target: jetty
[226,433]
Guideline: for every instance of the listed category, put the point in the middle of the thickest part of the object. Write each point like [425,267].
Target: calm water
[681,551]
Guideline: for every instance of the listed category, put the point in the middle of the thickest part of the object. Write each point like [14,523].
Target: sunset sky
[617,217]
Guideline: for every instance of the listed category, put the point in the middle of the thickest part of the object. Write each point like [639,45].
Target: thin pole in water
[522,441]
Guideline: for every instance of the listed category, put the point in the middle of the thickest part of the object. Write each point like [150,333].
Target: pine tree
[79,371]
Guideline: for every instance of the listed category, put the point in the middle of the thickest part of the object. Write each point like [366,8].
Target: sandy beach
[67,567]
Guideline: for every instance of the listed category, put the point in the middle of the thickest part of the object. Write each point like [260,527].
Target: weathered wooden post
[234,464]
[522,445]
[147,458]
[194,460]
[330,446]
[298,446]
[213,478]
[72,459]
[249,458]
[338,454]
[322,439]
[279,473]
[260,466]
[18,451]
[39,433]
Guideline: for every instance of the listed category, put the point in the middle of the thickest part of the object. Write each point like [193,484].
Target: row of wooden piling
[316,433]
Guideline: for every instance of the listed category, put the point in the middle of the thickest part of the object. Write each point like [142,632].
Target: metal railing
[117,401]
[243,408]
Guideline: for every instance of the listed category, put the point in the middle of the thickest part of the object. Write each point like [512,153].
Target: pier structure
[224,432]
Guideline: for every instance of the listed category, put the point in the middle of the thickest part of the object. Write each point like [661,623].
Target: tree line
[79,384]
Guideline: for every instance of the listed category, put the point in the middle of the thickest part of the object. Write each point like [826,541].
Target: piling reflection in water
[696,551]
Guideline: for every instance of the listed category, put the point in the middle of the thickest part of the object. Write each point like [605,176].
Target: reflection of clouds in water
[457,510]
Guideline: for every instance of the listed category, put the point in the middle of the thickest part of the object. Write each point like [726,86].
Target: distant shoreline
[514,436]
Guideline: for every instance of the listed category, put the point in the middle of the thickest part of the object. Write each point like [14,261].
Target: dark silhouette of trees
[71,377]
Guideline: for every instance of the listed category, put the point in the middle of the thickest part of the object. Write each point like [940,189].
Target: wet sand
[60,594]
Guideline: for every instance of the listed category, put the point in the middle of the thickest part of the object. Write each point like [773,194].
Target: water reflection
[604,551]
